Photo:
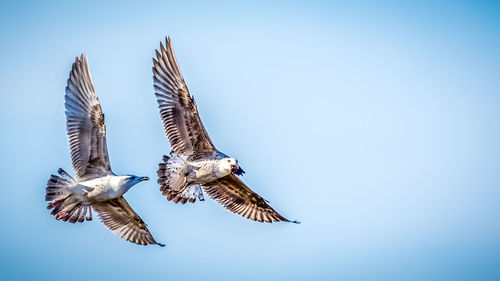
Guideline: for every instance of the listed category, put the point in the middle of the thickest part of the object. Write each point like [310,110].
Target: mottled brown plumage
[120,218]
[181,121]
[238,198]
[184,129]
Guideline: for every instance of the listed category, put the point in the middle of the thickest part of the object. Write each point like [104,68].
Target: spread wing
[236,197]
[178,110]
[85,124]
[120,218]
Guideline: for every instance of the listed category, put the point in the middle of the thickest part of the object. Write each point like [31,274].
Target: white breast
[208,170]
[103,188]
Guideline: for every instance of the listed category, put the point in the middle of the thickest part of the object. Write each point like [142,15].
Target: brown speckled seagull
[205,167]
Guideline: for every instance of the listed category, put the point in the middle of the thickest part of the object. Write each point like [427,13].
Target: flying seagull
[205,168]
[95,185]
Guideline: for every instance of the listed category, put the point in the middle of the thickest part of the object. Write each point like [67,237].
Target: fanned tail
[173,182]
[62,205]
[58,187]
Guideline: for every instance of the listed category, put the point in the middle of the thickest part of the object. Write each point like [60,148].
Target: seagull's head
[131,180]
[230,165]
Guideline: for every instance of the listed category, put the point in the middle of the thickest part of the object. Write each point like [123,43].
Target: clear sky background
[377,125]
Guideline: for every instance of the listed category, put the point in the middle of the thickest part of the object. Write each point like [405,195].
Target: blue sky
[374,124]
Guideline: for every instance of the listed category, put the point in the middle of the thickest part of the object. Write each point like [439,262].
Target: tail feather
[67,209]
[62,205]
[56,210]
[58,187]
[65,175]
[166,158]
[89,214]
[76,213]
[189,194]
[73,212]
[173,181]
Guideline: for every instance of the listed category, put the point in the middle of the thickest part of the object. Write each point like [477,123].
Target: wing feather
[235,196]
[120,218]
[178,110]
[85,124]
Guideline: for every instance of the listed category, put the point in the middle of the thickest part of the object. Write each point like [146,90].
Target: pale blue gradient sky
[376,125]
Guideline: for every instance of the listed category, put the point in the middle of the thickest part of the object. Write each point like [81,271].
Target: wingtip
[167,46]
[295,222]
[158,55]
[160,244]
[80,59]
[162,48]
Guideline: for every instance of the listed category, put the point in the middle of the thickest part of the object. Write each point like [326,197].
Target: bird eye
[228,161]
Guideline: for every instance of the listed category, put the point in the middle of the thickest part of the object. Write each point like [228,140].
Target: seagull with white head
[205,167]
[95,185]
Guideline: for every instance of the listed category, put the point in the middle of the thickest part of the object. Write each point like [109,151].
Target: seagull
[95,185]
[205,168]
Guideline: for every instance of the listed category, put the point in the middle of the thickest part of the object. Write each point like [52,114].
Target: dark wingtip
[160,244]
[296,222]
